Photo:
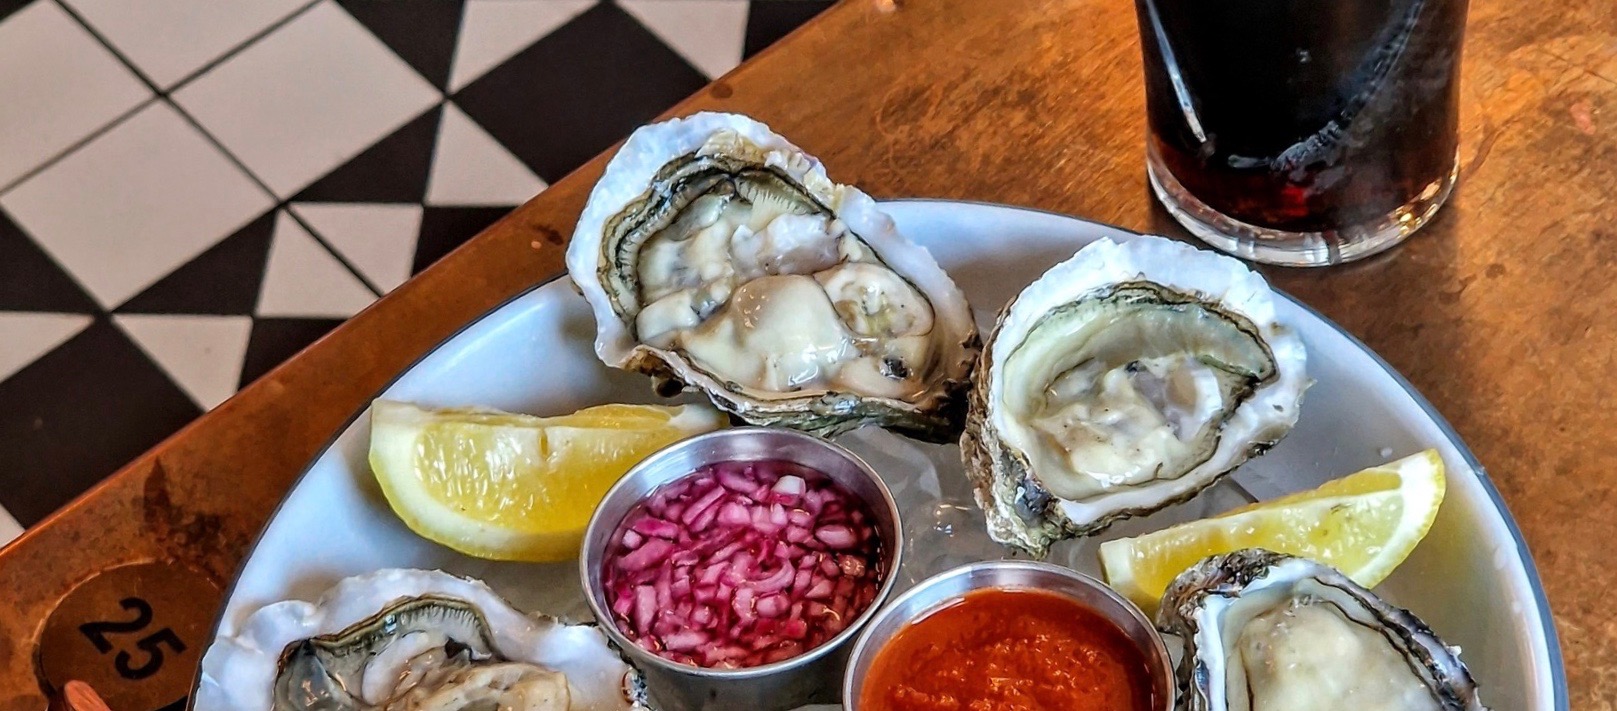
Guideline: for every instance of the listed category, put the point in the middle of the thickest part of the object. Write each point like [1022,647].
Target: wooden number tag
[134,633]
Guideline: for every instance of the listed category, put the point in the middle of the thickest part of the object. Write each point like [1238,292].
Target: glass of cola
[1302,132]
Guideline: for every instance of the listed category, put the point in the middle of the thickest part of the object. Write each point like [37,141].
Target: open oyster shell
[1265,630]
[413,640]
[719,257]
[1127,378]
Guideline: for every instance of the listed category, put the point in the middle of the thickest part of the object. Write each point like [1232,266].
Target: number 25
[152,644]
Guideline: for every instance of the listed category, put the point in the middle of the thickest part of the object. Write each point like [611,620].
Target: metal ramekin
[812,677]
[952,584]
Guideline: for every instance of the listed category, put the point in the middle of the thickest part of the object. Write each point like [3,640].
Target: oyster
[719,257]
[1265,630]
[1127,378]
[412,640]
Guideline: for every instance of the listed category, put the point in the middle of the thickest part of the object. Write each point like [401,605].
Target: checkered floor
[193,190]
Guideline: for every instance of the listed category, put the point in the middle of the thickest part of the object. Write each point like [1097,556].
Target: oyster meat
[719,257]
[413,640]
[1127,378]
[1266,631]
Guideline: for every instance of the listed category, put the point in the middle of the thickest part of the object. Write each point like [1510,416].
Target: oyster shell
[719,257]
[1127,378]
[412,640]
[1265,630]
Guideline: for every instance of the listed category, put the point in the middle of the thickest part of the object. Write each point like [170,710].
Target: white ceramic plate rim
[1550,650]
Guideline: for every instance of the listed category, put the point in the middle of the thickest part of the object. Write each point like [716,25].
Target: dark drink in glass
[1302,132]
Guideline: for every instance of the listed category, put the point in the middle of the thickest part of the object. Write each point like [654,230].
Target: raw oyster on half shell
[1265,631]
[1127,378]
[719,257]
[413,640]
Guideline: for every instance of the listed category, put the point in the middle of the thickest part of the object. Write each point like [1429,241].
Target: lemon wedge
[514,487]
[1363,524]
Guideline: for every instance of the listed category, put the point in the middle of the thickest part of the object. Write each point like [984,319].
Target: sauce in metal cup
[1046,608]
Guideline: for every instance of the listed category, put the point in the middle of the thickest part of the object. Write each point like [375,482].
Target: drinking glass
[1302,132]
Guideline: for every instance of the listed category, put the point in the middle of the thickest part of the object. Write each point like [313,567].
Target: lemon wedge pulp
[1363,524]
[514,487]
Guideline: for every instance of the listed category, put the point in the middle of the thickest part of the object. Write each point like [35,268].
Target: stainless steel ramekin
[811,677]
[952,584]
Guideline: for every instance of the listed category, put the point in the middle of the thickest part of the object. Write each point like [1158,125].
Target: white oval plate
[1472,578]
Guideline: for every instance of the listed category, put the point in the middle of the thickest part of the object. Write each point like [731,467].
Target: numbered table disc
[134,633]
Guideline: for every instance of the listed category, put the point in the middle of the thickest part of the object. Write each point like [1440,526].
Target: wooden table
[1501,311]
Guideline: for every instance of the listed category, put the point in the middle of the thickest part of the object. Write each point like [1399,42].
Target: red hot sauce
[1009,650]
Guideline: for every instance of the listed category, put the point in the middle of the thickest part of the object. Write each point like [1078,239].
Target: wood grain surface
[1501,311]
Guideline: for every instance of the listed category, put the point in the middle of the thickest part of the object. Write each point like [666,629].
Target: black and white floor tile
[193,190]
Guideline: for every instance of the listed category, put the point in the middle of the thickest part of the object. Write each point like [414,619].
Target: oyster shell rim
[1228,575]
[355,600]
[1021,513]
[937,416]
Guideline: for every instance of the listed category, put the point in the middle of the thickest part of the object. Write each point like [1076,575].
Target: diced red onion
[632,540]
[704,519]
[790,485]
[728,568]
[665,593]
[651,553]
[710,574]
[795,627]
[701,506]
[776,582]
[622,605]
[684,640]
[645,606]
[820,590]
[742,603]
[852,566]
[837,536]
[656,527]
[773,605]
[738,482]
[786,650]
[829,568]
[761,521]
[844,588]
[734,514]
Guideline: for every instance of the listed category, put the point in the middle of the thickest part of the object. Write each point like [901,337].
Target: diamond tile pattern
[306,98]
[203,354]
[223,280]
[135,203]
[192,191]
[168,40]
[31,281]
[304,279]
[393,169]
[74,86]
[469,167]
[708,33]
[587,94]
[78,413]
[421,32]
[493,30]
[378,239]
